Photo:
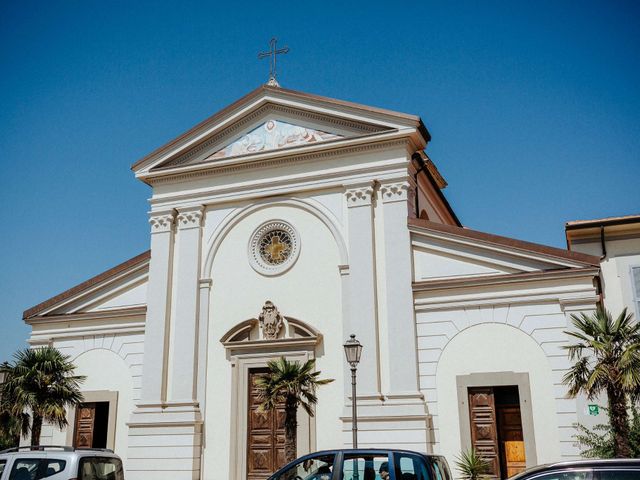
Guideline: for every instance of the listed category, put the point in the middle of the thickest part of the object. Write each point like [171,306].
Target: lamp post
[352,350]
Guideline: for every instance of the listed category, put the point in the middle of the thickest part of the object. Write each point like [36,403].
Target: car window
[53,466]
[365,467]
[565,475]
[25,468]
[100,468]
[618,474]
[441,468]
[411,467]
[313,468]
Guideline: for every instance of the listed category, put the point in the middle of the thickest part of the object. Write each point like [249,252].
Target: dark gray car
[365,464]
[614,469]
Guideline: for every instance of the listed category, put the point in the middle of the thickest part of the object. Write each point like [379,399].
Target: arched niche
[307,205]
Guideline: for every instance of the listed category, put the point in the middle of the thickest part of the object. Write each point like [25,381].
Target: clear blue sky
[534,108]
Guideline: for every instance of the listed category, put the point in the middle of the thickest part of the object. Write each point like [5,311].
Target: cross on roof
[272,67]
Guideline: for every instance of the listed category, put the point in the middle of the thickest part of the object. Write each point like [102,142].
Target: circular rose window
[273,247]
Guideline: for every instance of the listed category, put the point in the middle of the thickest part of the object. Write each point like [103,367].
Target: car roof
[586,463]
[62,451]
[373,450]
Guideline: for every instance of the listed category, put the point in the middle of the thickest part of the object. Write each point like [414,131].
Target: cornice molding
[83,316]
[273,158]
[511,246]
[507,279]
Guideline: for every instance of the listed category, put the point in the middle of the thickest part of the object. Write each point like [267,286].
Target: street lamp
[352,350]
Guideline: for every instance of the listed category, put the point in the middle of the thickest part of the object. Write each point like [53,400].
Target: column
[184,356]
[361,316]
[158,296]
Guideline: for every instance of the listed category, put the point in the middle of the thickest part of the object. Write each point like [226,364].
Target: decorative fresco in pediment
[271,135]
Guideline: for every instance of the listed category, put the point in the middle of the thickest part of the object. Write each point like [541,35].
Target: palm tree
[41,380]
[294,385]
[607,359]
[12,427]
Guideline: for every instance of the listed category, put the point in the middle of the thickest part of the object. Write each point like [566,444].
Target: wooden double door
[265,434]
[496,428]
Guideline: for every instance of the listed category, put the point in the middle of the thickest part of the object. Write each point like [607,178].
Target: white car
[59,463]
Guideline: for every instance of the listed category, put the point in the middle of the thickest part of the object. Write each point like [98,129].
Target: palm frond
[41,380]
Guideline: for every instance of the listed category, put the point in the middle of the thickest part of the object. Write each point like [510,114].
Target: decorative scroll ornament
[270,321]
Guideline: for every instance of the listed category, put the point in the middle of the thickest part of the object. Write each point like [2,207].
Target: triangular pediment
[271,120]
[272,135]
[267,129]
[442,252]
[121,288]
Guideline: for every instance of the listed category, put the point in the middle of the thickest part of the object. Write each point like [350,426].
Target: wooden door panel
[85,425]
[484,430]
[510,431]
[265,435]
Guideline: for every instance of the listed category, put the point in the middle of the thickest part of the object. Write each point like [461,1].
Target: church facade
[278,227]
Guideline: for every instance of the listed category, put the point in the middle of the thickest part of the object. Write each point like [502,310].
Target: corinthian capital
[189,217]
[359,196]
[394,192]
[161,221]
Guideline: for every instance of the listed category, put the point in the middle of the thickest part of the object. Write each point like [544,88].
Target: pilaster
[184,356]
[158,306]
[361,316]
[400,342]
[165,429]
[382,316]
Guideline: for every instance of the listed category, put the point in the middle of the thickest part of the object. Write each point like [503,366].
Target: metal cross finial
[272,68]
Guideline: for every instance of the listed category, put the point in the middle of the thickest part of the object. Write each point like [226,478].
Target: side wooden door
[85,425]
[265,435]
[510,434]
[484,430]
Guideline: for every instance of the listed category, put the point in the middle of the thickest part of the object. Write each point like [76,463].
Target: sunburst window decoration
[274,247]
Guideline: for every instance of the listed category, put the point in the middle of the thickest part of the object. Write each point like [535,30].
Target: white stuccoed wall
[617,284]
[520,331]
[111,362]
[309,291]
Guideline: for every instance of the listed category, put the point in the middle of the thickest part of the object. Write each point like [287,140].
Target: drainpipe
[417,156]
[602,244]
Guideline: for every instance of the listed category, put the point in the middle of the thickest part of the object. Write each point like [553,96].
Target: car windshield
[100,468]
[312,468]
